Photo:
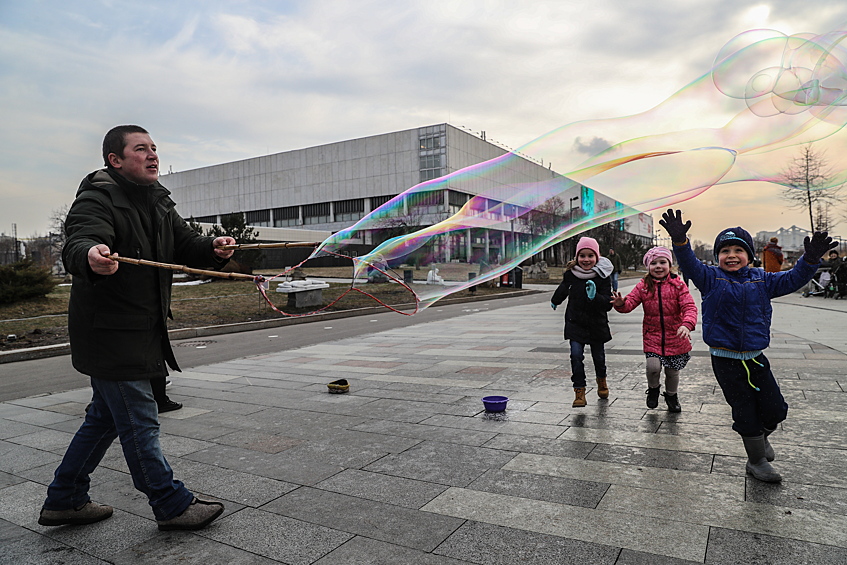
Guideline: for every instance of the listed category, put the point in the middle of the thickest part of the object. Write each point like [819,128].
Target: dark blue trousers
[753,410]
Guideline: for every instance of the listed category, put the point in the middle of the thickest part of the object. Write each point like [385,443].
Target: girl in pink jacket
[670,316]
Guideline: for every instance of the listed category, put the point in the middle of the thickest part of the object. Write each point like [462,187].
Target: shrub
[22,280]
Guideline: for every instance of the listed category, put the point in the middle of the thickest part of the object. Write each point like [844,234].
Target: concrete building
[329,187]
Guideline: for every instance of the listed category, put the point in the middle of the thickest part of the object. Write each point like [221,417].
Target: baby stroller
[820,285]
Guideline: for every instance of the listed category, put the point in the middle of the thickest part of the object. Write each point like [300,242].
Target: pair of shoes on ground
[199,514]
[579,393]
[672,400]
[169,406]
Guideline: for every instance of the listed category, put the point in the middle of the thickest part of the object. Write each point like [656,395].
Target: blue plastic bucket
[495,403]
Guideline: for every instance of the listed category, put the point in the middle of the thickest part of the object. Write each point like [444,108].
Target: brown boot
[602,388]
[579,398]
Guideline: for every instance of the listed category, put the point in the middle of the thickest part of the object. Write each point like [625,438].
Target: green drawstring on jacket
[749,382]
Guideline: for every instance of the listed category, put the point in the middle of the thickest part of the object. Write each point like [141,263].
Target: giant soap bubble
[766,94]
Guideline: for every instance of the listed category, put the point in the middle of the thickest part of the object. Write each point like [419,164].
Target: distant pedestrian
[772,257]
[617,268]
[117,324]
[736,327]
[670,316]
[588,289]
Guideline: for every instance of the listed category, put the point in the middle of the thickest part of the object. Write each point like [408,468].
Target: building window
[426,202]
[349,210]
[431,167]
[206,219]
[261,218]
[456,200]
[316,213]
[288,216]
[431,142]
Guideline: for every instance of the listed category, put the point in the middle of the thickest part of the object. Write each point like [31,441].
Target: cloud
[592,147]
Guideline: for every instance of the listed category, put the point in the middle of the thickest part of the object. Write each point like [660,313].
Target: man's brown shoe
[88,513]
[198,515]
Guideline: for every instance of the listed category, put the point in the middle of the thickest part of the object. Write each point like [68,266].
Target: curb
[45,351]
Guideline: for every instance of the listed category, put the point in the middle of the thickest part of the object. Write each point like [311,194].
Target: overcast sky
[217,81]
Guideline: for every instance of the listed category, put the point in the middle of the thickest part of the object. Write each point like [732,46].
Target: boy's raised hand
[817,246]
[672,222]
[617,299]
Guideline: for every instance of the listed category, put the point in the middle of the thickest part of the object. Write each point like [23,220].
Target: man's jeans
[124,409]
[598,355]
[615,277]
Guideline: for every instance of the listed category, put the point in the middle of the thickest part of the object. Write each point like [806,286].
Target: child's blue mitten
[590,289]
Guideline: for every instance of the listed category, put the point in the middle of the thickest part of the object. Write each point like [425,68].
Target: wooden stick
[268,245]
[187,270]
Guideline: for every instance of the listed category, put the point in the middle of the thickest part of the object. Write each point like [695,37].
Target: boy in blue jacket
[736,327]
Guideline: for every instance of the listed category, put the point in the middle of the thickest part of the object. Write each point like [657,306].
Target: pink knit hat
[588,243]
[657,252]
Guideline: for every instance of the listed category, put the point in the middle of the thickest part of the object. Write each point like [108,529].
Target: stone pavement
[408,469]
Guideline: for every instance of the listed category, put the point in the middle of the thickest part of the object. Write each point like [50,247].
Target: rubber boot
[769,454]
[579,397]
[652,397]
[672,401]
[757,463]
[602,388]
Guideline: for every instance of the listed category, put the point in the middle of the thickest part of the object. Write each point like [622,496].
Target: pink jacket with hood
[668,307]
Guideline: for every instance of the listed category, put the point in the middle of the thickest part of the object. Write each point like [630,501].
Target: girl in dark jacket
[587,285]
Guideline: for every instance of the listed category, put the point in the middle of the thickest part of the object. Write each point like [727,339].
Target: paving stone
[273,466]
[733,547]
[276,537]
[377,520]
[708,510]
[541,446]
[667,459]
[667,537]
[486,544]
[17,458]
[435,433]
[364,551]
[541,487]
[667,480]
[21,546]
[186,549]
[399,491]
[446,464]
[797,495]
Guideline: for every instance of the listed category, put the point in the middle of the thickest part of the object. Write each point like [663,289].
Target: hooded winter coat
[586,320]
[772,258]
[116,323]
[669,306]
[737,305]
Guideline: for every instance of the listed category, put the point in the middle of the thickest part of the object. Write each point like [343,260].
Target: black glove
[672,222]
[817,246]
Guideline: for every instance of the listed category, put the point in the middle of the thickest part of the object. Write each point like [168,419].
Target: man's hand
[98,260]
[553,306]
[672,222]
[817,246]
[221,241]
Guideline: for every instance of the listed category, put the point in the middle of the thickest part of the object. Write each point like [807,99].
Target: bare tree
[809,185]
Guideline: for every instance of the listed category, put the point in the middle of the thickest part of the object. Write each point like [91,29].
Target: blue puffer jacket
[736,306]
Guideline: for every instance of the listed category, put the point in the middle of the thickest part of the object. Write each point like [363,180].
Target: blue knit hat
[735,236]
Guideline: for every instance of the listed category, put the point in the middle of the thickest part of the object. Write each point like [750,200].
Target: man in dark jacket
[117,325]
[617,268]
